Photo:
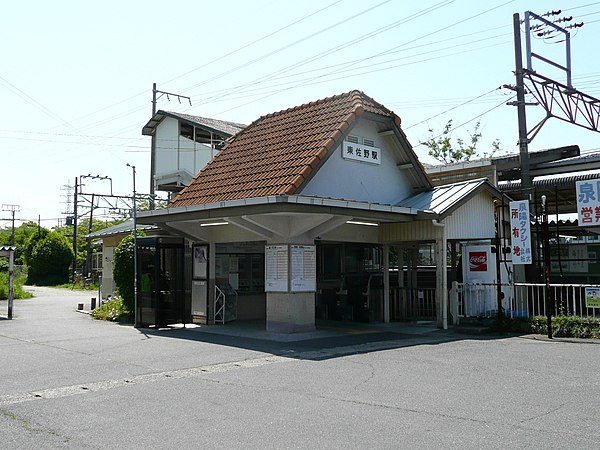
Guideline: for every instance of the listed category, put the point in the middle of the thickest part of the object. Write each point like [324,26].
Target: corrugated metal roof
[122,228]
[222,127]
[443,199]
[558,182]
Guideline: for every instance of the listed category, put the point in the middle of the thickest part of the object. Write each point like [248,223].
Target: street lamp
[135,308]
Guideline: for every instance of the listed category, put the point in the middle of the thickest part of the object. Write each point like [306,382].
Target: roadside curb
[570,340]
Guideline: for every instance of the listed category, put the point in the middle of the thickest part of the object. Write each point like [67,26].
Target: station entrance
[349,282]
[161,296]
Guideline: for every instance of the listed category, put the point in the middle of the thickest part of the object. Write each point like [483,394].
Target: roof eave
[287,203]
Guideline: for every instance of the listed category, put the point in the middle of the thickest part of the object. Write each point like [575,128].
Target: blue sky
[76,77]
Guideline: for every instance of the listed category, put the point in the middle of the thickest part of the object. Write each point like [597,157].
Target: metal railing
[566,299]
[521,299]
[225,305]
[219,305]
[412,304]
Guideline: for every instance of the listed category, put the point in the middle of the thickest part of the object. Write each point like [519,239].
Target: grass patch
[79,286]
[113,310]
[19,293]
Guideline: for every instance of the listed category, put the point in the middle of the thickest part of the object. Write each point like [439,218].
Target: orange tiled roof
[275,154]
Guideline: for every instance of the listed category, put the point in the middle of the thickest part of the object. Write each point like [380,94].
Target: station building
[297,217]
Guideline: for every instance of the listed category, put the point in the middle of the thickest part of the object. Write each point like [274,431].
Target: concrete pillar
[454,303]
[441,288]
[210,307]
[291,312]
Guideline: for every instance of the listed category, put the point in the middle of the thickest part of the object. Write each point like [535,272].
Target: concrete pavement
[67,381]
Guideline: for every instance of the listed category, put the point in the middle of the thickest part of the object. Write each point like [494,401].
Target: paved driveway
[67,381]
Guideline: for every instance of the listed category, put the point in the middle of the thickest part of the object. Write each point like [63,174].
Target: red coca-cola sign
[478,262]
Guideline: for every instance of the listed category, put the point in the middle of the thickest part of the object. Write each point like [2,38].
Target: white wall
[167,143]
[353,180]
[175,152]
[472,221]
[108,283]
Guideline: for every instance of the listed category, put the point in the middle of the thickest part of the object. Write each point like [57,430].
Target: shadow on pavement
[328,341]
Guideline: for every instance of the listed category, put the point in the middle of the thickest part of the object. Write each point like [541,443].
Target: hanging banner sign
[588,202]
[520,232]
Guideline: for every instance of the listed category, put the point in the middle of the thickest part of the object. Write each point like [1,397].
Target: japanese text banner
[520,232]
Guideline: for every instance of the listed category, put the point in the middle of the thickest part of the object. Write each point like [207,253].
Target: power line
[312,81]
[239,49]
[451,109]
[439,5]
[582,6]
[285,47]
[274,88]
[470,120]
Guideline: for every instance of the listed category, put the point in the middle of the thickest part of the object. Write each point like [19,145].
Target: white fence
[520,299]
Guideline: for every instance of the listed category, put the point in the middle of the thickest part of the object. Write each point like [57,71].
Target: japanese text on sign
[588,202]
[276,270]
[303,268]
[362,153]
[520,232]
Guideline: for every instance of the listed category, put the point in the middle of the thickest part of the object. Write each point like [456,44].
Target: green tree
[144,205]
[49,259]
[442,149]
[83,229]
[123,270]
[23,235]
[31,244]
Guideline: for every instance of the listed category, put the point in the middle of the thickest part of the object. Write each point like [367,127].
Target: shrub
[562,326]
[49,259]
[513,325]
[18,287]
[113,310]
[568,326]
[123,271]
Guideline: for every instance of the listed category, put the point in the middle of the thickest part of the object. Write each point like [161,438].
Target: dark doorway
[161,292]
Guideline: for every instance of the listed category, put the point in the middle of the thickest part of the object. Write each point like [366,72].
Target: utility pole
[74,231]
[153,137]
[88,257]
[520,88]
[152,150]
[12,209]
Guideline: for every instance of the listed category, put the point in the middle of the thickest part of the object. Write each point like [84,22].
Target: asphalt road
[67,381]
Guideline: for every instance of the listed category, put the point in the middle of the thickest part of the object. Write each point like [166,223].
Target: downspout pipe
[442,279]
